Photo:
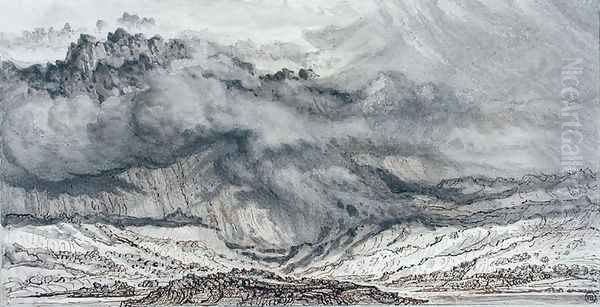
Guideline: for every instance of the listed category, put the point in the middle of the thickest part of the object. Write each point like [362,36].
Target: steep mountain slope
[316,167]
[504,57]
[394,161]
[533,234]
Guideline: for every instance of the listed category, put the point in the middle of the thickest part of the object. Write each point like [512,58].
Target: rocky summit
[101,69]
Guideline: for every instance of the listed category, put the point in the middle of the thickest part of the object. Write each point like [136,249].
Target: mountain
[523,235]
[386,163]
[97,68]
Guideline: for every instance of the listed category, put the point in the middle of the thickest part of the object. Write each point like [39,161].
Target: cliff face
[316,207]
[271,161]
[477,234]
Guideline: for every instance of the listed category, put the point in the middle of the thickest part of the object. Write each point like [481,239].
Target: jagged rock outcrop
[118,289]
[287,74]
[254,287]
[101,69]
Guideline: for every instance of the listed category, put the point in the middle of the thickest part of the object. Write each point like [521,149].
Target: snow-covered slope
[532,234]
[416,148]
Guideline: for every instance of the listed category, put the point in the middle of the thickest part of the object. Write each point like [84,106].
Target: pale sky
[259,20]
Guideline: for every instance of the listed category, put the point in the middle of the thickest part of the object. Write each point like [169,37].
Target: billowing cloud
[56,139]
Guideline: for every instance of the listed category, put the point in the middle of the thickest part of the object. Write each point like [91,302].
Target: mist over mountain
[416,146]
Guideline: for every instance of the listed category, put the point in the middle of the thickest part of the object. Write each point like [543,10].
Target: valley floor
[104,265]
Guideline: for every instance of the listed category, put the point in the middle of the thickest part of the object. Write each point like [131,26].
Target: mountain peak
[101,69]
